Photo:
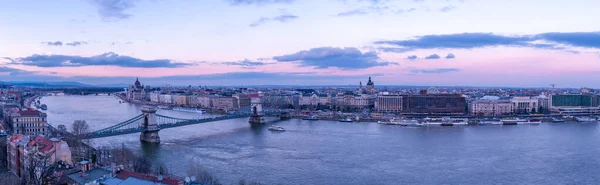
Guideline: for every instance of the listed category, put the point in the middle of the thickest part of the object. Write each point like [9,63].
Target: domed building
[136,91]
[370,87]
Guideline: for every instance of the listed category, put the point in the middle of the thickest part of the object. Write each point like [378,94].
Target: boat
[311,118]
[185,109]
[276,128]
[491,123]
[512,121]
[164,107]
[584,119]
[392,121]
[530,122]
[346,120]
[44,107]
[413,123]
[556,120]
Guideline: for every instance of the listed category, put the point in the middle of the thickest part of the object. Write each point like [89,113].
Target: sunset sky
[514,43]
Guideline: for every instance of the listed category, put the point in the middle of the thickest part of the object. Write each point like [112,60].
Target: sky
[509,43]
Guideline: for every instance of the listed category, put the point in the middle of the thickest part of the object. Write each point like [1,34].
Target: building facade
[29,122]
[442,104]
[525,104]
[491,108]
[136,91]
[389,103]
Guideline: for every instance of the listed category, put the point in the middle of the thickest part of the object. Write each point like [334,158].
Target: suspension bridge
[148,123]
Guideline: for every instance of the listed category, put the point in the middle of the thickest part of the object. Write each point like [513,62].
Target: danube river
[328,152]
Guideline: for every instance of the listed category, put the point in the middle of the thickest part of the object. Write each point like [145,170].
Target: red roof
[30,111]
[124,174]
[253,96]
[15,138]
[43,143]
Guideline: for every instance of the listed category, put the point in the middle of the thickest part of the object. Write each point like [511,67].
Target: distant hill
[47,84]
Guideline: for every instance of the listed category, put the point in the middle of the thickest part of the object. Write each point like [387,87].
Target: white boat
[491,123]
[530,122]
[390,122]
[276,128]
[512,121]
[185,109]
[164,107]
[556,120]
[346,120]
[412,122]
[584,119]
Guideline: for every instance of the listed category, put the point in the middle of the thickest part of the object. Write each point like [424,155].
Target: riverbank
[208,110]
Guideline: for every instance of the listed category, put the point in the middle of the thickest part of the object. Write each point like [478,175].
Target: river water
[329,152]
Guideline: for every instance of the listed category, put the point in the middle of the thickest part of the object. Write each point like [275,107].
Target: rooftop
[89,176]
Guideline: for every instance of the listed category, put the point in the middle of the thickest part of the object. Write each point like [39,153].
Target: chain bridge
[149,123]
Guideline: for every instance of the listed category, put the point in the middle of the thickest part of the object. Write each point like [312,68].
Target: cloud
[435,70]
[59,43]
[432,57]
[282,19]
[353,12]
[106,59]
[55,43]
[374,7]
[257,2]
[76,43]
[450,56]
[113,10]
[553,41]
[579,39]
[245,63]
[325,57]
[231,78]
[13,71]
[447,8]
[412,57]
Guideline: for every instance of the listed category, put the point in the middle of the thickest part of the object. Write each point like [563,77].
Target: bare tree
[141,165]
[161,169]
[202,176]
[62,129]
[80,127]
[3,156]
[37,169]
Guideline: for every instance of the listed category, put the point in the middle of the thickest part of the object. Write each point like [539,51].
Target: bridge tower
[257,111]
[150,125]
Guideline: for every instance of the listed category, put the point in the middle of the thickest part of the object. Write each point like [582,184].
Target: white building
[491,107]
[389,103]
[525,104]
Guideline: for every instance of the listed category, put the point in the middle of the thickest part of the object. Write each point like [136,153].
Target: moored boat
[556,120]
[185,109]
[530,122]
[311,118]
[584,119]
[346,120]
[512,121]
[164,107]
[276,128]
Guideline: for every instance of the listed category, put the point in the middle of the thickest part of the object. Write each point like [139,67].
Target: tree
[80,127]
[62,129]
[141,165]
[37,169]
[3,155]
[202,176]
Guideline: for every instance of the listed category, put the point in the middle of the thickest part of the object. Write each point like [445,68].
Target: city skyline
[294,42]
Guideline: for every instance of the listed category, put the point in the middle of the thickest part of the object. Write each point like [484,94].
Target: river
[329,152]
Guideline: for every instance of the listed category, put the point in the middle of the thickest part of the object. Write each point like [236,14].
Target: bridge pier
[150,125]
[257,111]
[257,119]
